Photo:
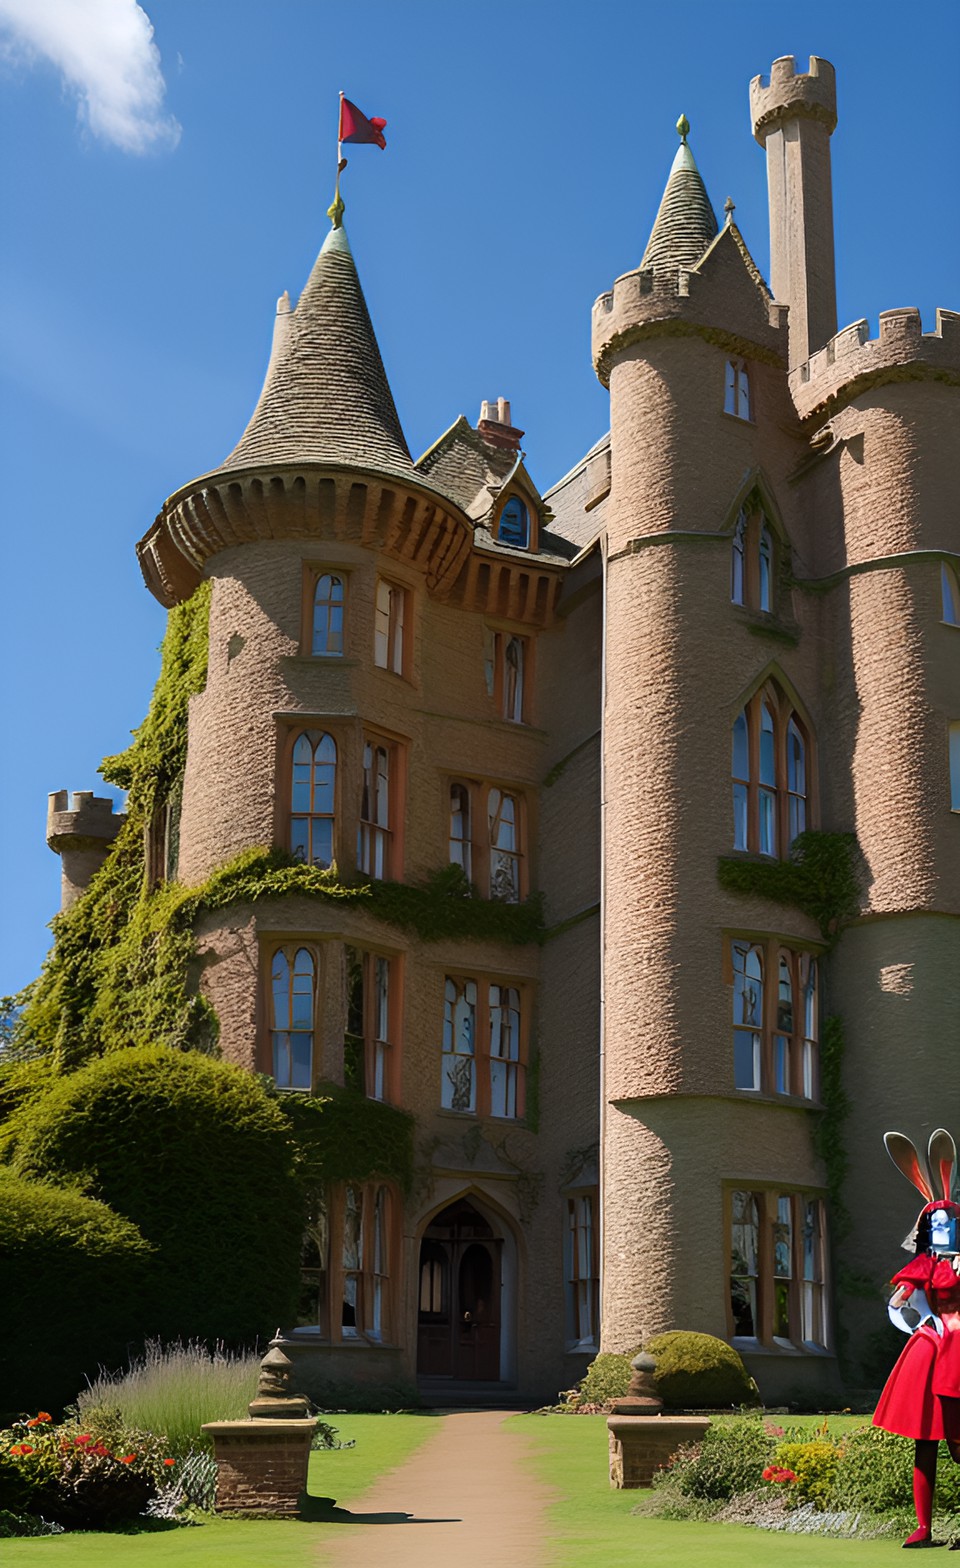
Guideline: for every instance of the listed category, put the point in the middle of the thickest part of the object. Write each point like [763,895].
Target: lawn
[383,1442]
[591,1526]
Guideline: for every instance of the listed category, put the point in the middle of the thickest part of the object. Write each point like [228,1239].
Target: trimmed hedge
[197,1154]
[73,1278]
[698,1371]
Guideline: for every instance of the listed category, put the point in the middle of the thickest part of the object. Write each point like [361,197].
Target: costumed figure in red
[922,1394]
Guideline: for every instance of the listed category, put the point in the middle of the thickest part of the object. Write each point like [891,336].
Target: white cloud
[106,52]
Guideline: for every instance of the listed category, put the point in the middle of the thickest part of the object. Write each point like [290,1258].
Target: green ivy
[821,877]
[117,974]
[339,1135]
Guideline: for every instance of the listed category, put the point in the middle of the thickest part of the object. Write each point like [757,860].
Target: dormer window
[736,396]
[514,526]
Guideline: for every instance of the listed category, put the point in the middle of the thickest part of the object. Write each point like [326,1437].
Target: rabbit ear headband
[926,1175]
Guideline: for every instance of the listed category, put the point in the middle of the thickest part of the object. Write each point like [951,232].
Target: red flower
[15,1449]
[127,1459]
[768,1473]
[44,1415]
[169,1461]
[778,1474]
[83,1439]
[25,1448]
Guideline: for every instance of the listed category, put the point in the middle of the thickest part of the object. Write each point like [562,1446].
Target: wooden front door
[458,1332]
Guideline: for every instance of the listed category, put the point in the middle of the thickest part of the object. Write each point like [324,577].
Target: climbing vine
[339,1135]
[821,877]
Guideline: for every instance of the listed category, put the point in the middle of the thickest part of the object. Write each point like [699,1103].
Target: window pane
[514,524]
[785,997]
[768,766]
[741,748]
[513,660]
[767,802]
[746,1059]
[743,391]
[781,1052]
[328,615]
[766,568]
[744,1250]
[950,595]
[740,818]
[730,388]
[955,767]
[458,1072]
[737,560]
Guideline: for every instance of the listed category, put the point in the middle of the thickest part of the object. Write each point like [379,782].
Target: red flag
[355,127]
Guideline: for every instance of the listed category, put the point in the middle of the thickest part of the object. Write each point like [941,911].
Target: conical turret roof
[686,222]
[326,398]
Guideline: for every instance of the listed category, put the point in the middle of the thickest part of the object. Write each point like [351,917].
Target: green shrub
[198,1156]
[876,1473]
[700,1371]
[730,1459]
[815,1466]
[172,1390]
[77,1273]
[607,1377]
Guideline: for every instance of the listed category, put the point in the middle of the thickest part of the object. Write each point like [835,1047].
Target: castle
[734,621]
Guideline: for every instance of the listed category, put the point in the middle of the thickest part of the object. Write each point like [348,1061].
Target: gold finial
[336,209]
[683,127]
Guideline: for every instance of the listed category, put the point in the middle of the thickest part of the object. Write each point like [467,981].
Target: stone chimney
[494,424]
[80,831]
[793,118]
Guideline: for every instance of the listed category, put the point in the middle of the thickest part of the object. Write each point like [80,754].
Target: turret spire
[685,223]
[326,398]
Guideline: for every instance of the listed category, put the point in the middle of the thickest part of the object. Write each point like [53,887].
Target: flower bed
[90,1477]
[749,1471]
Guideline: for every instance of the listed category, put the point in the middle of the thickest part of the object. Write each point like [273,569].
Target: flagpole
[335,212]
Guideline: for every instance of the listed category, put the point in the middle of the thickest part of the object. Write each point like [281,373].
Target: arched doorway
[459,1313]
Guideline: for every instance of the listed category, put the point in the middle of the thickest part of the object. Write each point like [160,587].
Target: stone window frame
[784,709]
[311,575]
[289,945]
[755,539]
[533,521]
[738,390]
[480,847]
[366,1041]
[481,1057]
[377,1292]
[800,1051]
[497,641]
[808,1301]
[396,747]
[573,1276]
[289,730]
[406,600]
[949,594]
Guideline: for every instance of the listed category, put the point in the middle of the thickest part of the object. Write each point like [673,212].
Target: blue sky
[159,197]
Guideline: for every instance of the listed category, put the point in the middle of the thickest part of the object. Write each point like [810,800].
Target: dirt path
[465,1498]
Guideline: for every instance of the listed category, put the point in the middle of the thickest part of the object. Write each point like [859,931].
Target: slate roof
[685,223]
[568,497]
[326,398]
[464,466]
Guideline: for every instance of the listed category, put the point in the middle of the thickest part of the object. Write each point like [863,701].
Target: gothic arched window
[293,978]
[313,798]
[770,771]
[753,559]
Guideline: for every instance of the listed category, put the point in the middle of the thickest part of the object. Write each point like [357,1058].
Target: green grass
[592,1526]
[383,1442]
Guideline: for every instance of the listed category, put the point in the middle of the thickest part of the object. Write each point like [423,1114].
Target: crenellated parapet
[852,361]
[409,522]
[646,304]
[787,93]
[80,829]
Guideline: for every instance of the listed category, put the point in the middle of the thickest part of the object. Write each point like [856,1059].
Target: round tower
[693,349]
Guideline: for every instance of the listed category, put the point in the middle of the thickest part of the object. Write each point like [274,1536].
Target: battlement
[852,360]
[787,93]
[81,821]
[644,301]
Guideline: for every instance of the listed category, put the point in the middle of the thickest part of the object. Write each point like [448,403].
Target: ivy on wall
[822,878]
[123,969]
[339,1135]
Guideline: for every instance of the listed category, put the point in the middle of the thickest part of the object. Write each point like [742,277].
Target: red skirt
[908,1405]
